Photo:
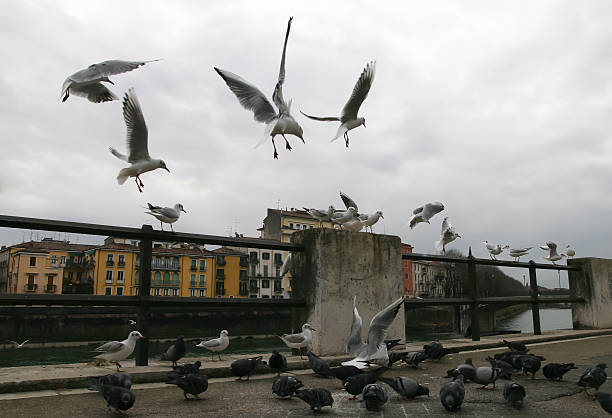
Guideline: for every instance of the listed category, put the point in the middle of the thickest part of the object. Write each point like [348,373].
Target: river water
[550,318]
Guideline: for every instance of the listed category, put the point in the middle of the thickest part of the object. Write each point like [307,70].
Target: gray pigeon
[452,394]
[187,368]
[405,386]
[485,375]
[118,398]
[285,386]
[192,384]
[115,379]
[277,362]
[505,368]
[467,369]
[317,398]
[413,358]
[436,351]
[593,377]
[318,365]
[514,393]
[375,396]
[175,352]
[245,367]
[605,400]
[530,364]
[555,371]
[355,384]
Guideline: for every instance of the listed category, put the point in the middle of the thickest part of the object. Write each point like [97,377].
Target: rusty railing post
[535,305]
[144,311]
[475,313]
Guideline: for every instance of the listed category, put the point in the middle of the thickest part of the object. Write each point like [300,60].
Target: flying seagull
[447,235]
[167,215]
[251,98]
[348,118]
[137,143]
[425,213]
[552,252]
[18,345]
[88,82]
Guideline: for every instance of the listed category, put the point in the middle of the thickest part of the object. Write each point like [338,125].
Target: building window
[175,279]
[265,284]
[253,285]
[202,293]
[79,276]
[166,278]
[253,257]
[120,291]
[193,292]
[277,286]
[53,260]
[121,261]
[220,289]
[290,226]
[277,271]
[253,271]
[242,275]
[221,260]
[243,289]
[157,278]
[265,256]
[194,264]
[220,274]
[278,258]
[137,291]
[137,277]
[175,292]
[109,276]
[32,261]
[202,265]
[108,291]
[120,277]
[265,273]
[193,282]
[109,260]
[265,297]
[202,280]
[62,260]
[71,276]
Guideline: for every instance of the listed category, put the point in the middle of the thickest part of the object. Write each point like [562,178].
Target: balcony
[253,289]
[80,264]
[30,287]
[50,288]
[165,265]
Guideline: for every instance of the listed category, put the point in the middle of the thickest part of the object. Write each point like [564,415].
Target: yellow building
[231,273]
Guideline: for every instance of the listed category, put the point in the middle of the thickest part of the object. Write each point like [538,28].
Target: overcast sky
[502,111]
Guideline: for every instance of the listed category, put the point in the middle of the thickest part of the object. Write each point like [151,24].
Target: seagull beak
[142,336]
[312,329]
[184,210]
[364,124]
[166,168]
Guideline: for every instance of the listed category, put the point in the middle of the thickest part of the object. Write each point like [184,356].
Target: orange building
[407,272]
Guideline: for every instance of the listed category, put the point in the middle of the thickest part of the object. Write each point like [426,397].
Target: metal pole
[144,312]
[535,305]
[474,296]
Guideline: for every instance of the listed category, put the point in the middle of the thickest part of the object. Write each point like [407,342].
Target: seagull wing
[418,210]
[118,154]
[431,209]
[286,265]
[167,212]
[250,97]
[324,119]
[360,92]
[355,345]
[294,338]
[110,347]
[277,96]
[105,69]
[379,325]
[446,225]
[348,202]
[211,343]
[95,92]
[23,343]
[137,134]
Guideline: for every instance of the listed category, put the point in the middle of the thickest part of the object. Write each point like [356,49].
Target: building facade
[407,271]
[437,280]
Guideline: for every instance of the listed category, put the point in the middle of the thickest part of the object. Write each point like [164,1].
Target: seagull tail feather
[123,176]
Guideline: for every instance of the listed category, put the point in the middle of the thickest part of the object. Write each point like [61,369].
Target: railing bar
[485,261]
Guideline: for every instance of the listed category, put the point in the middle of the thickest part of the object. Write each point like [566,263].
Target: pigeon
[552,252]
[18,345]
[569,251]
[216,345]
[517,360]
[485,375]
[530,364]
[321,215]
[137,143]
[436,351]
[115,379]
[118,398]
[413,358]
[355,384]
[192,383]
[452,394]
[447,235]
[505,368]
[189,368]
[467,370]
[348,118]
[375,396]
[392,343]
[514,393]
[175,352]
[555,371]
[277,362]
[370,220]
[517,253]
[167,215]
[317,398]
[406,387]
[88,82]
[516,346]
[344,372]
[318,365]
[251,98]
[394,357]
[245,367]
[605,400]
[299,340]
[593,377]
[425,213]
[494,250]
[285,386]
[115,351]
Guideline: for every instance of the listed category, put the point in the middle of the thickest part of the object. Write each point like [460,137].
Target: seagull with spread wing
[18,345]
[552,252]
[137,143]
[348,119]
[251,98]
[447,235]
[88,82]
[425,213]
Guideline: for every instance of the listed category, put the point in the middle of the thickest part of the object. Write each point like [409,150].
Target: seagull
[370,220]
[132,322]
[216,344]
[425,213]
[167,215]
[494,249]
[552,255]
[321,215]
[342,217]
[299,340]
[286,267]
[115,351]
[349,203]
[375,350]
[447,235]
[251,98]
[517,253]
[353,225]
[348,118]
[17,345]
[570,251]
[137,143]
[87,82]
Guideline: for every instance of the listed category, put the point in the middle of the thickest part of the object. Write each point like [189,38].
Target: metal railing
[144,301]
[473,300]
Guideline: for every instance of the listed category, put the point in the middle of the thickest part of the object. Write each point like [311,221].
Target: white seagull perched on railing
[88,82]
[494,249]
[342,217]
[167,215]
[370,220]
[447,235]
[216,345]
[570,251]
[425,213]
[321,215]
[251,98]
[299,340]
[115,351]
[137,143]
[348,119]
[517,253]
[552,252]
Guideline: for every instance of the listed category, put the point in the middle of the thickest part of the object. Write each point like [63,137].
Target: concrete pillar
[594,284]
[337,265]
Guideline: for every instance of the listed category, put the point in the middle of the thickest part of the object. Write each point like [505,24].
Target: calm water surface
[550,319]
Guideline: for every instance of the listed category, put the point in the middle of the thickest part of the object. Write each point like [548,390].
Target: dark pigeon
[375,396]
[555,371]
[605,400]
[115,379]
[175,352]
[394,357]
[516,346]
[317,398]
[530,364]
[514,393]
[467,369]
[344,372]
[188,368]
[505,368]
[405,386]
[245,367]
[436,351]
[355,384]
[277,362]
[318,365]
[452,394]
[516,360]
[118,398]
[192,384]
[392,343]
[413,358]
[593,377]
[285,386]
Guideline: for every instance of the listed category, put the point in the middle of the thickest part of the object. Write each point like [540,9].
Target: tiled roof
[158,250]
[228,251]
[54,245]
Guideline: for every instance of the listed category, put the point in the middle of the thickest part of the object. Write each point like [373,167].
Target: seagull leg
[171,227]
[346,139]
[219,356]
[138,185]
[286,143]
[161,224]
[66,96]
[275,153]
